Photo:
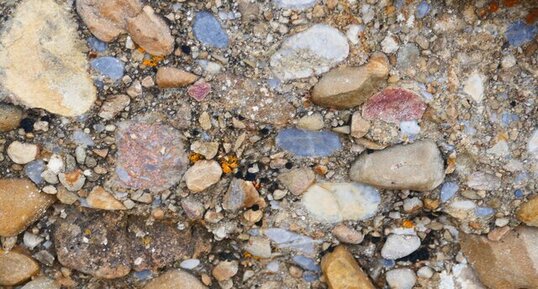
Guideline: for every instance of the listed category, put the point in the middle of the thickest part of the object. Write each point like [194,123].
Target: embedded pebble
[174,278]
[294,4]
[99,198]
[42,283]
[297,180]
[402,278]
[16,267]
[306,263]
[22,153]
[342,271]
[202,175]
[347,234]
[33,171]
[483,181]
[171,77]
[313,51]
[259,247]
[10,117]
[208,30]
[448,190]
[189,264]
[308,143]
[114,105]
[394,105]
[532,144]
[520,32]
[109,67]
[398,246]
[336,202]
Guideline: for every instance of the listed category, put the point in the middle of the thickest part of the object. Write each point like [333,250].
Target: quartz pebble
[171,77]
[402,278]
[448,190]
[16,268]
[297,180]
[306,263]
[289,240]
[22,60]
[398,246]
[259,247]
[474,87]
[336,202]
[341,271]
[418,166]
[394,105]
[208,30]
[10,117]
[189,264]
[202,175]
[175,279]
[348,87]
[483,181]
[21,204]
[505,264]
[313,51]
[295,4]
[308,143]
[22,153]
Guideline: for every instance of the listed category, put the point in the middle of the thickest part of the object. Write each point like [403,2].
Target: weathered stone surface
[359,126]
[202,175]
[240,194]
[109,244]
[41,48]
[99,198]
[16,268]
[313,51]
[250,99]
[113,106]
[150,156]
[259,247]
[336,202]
[10,117]
[528,212]
[305,143]
[94,243]
[462,276]
[418,166]
[297,180]
[348,87]
[175,279]
[394,105]
[510,263]
[341,271]
[151,32]
[170,77]
[21,204]
[107,19]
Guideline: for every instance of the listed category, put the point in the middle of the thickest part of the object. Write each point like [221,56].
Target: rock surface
[42,47]
[21,204]
[394,105]
[336,202]
[240,194]
[42,283]
[509,263]
[348,87]
[175,279]
[418,166]
[402,278]
[308,143]
[150,156]
[341,271]
[202,175]
[171,77]
[16,268]
[10,117]
[313,51]
[113,106]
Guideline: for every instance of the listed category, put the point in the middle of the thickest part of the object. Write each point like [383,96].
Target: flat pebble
[208,30]
[403,278]
[22,153]
[398,246]
[308,143]
[109,67]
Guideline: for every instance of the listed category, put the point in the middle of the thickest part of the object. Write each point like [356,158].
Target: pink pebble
[199,90]
[394,105]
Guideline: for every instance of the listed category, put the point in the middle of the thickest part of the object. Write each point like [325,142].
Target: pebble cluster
[335,144]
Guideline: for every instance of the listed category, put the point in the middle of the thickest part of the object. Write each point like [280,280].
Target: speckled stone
[341,271]
[394,105]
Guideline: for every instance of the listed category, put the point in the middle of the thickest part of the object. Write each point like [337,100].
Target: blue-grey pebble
[306,263]
[33,171]
[108,66]
[305,143]
[208,30]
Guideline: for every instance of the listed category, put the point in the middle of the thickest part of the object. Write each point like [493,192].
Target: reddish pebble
[394,105]
[199,90]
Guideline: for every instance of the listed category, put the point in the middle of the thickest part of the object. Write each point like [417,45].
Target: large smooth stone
[313,51]
[341,271]
[21,204]
[510,263]
[336,202]
[348,87]
[16,268]
[42,60]
[418,166]
[305,143]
